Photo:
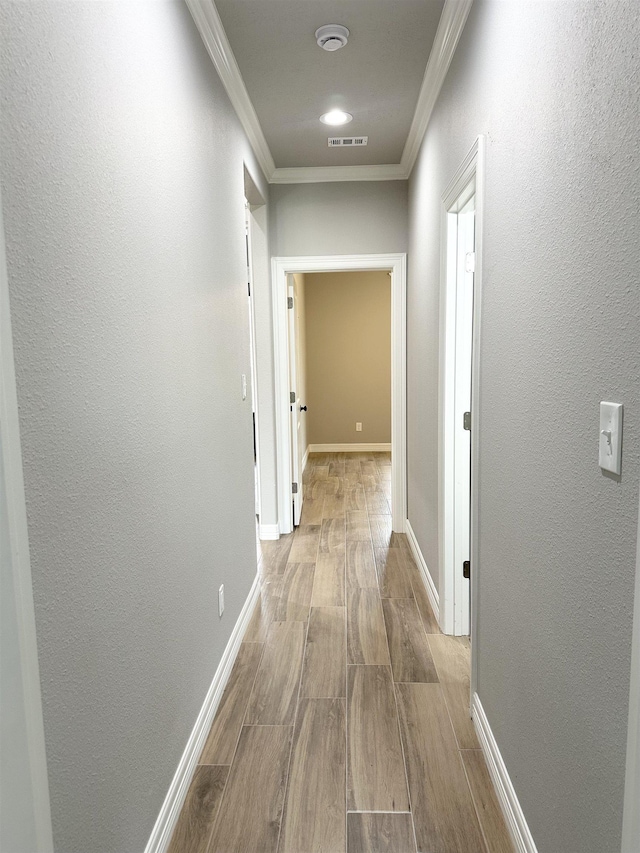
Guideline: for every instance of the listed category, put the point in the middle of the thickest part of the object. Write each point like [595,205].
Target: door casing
[397,265]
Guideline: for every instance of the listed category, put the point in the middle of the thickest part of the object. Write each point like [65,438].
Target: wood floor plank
[249,817]
[198,813]
[393,576]
[366,634]
[223,735]
[380,833]
[312,510]
[377,503]
[294,593]
[275,553]
[313,819]
[274,695]
[358,526]
[334,506]
[329,581]
[382,533]
[375,766]
[355,498]
[492,821]
[452,656]
[332,535]
[457,695]
[262,615]
[410,654]
[305,544]
[361,566]
[324,670]
[427,615]
[444,816]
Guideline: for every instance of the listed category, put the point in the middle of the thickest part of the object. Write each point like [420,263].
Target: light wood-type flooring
[344,725]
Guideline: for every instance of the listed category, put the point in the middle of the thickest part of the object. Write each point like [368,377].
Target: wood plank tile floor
[344,727]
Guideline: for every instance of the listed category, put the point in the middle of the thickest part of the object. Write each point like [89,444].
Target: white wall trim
[452,21]
[453,603]
[429,585]
[326,174]
[269,531]
[170,811]
[21,567]
[305,458]
[631,816]
[209,25]
[507,797]
[350,448]
[397,264]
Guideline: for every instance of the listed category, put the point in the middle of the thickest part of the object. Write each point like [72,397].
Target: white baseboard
[513,814]
[349,448]
[170,811]
[269,531]
[432,592]
[305,459]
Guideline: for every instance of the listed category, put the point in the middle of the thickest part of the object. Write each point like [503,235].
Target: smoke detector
[332,37]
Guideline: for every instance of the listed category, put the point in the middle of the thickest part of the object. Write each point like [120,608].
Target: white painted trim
[507,797]
[350,448]
[631,817]
[429,585]
[269,531]
[452,21]
[453,617]
[305,458]
[327,174]
[215,39]
[397,263]
[170,811]
[21,567]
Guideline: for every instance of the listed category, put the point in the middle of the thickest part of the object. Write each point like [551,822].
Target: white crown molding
[452,21]
[209,25]
[327,174]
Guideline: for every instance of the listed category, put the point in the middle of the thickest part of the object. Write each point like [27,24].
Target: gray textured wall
[122,182]
[341,218]
[556,89]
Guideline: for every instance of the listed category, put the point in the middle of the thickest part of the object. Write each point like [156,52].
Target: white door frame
[18,541]
[631,816]
[397,264]
[453,604]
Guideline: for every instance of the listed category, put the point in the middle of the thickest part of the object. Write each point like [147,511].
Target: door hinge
[466,420]
[292,396]
[470,262]
[289,301]
[466,569]
[294,488]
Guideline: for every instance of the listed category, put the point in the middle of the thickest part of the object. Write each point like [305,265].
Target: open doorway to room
[340,376]
[326,382]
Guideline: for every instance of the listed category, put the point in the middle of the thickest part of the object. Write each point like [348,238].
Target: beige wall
[348,357]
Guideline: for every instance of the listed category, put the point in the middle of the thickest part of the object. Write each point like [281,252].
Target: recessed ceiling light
[336,117]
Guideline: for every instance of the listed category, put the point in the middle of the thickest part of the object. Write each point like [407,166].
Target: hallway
[344,725]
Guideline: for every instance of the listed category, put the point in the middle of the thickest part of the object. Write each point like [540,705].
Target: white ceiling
[291,81]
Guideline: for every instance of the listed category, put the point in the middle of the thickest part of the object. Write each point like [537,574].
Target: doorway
[287,423]
[460,307]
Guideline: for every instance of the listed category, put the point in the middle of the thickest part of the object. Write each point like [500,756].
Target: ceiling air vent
[347,141]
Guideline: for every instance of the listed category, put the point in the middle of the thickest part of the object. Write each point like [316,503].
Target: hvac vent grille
[347,141]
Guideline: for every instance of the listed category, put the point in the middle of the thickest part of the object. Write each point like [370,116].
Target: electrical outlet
[221,600]
[358,427]
[244,386]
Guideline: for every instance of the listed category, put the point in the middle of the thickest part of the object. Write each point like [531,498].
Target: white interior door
[297,449]
[462,445]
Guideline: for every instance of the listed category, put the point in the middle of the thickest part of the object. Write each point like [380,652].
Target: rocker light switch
[611,437]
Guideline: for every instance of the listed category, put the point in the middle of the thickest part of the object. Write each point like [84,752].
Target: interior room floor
[345,724]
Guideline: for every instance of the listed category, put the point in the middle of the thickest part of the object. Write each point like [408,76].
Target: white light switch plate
[611,437]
